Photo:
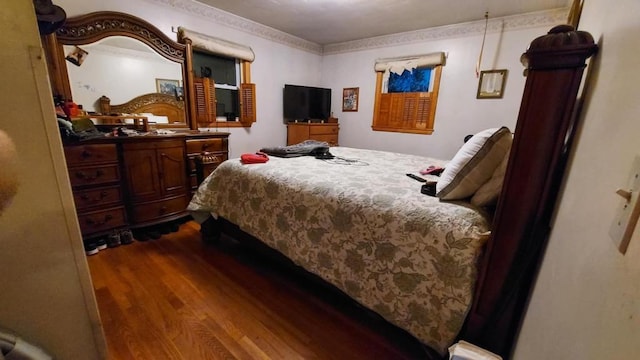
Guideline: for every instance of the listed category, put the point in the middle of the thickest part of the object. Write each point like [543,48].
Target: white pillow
[488,193]
[473,164]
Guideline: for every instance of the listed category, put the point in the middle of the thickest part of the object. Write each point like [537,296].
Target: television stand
[301,131]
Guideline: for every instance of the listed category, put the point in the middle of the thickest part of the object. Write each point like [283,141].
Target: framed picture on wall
[167,86]
[491,84]
[350,99]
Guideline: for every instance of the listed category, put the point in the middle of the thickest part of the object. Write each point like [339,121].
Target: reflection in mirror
[120,68]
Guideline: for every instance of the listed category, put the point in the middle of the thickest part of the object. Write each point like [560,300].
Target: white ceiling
[334,21]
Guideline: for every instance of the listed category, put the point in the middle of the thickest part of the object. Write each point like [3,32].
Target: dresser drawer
[94,175]
[219,157]
[158,209]
[90,154]
[200,145]
[102,197]
[101,220]
[323,130]
[331,139]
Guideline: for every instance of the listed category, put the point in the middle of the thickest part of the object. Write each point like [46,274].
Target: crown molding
[218,16]
[496,25]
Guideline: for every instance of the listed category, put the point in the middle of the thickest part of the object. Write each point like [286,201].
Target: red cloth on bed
[256,158]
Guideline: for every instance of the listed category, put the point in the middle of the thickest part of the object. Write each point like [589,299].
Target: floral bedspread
[362,225]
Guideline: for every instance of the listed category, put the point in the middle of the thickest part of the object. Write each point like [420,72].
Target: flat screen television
[306,103]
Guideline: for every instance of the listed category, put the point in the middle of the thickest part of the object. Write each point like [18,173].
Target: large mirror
[113,63]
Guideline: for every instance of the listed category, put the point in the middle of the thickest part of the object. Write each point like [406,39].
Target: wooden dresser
[132,182]
[299,132]
[216,149]
[155,173]
[94,172]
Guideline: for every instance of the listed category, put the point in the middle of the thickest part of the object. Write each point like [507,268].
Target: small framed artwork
[491,84]
[166,86]
[77,56]
[350,99]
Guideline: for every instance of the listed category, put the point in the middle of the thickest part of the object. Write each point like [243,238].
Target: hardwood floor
[178,298]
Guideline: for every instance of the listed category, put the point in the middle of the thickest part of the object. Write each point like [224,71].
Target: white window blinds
[399,64]
[216,45]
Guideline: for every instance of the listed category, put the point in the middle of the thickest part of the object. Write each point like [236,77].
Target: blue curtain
[410,81]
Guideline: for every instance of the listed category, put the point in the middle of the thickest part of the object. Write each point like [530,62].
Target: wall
[586,300]
[458,111]
[46,295]
[276,63]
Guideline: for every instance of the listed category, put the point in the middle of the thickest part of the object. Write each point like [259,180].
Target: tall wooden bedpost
[544,131]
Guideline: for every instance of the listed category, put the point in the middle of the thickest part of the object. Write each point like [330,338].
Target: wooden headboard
[543,140]
[154,103]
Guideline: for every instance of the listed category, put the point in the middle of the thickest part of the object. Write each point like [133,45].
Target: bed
[356,217]
[161,109]
[438,279]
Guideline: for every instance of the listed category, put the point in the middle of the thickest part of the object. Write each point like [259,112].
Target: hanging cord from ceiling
[486,23]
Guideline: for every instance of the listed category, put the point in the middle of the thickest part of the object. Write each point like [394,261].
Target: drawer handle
[103,194]
[208,158]
[86,154]
[106,219]
[163,210]
[83,176]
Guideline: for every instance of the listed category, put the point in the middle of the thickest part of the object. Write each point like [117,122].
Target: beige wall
[458,113]
[586,303]
[46,294]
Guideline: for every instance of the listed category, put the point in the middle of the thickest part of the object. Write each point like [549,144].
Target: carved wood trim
[95,26]
[138,102]
[155,103]
[98,25]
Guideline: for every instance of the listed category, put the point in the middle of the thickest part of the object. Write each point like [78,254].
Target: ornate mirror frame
[95,26]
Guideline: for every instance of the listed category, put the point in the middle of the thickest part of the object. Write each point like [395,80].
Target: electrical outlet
[627,216]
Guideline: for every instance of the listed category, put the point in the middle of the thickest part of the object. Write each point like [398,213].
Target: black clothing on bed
[307,147]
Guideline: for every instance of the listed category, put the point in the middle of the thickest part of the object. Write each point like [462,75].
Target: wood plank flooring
[178,298]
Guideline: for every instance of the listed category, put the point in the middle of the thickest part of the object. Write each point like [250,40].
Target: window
[407,93]
[223,94]
[224,73]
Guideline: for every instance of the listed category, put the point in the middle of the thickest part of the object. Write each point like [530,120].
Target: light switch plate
[627,216]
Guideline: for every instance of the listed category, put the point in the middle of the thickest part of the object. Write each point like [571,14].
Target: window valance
[399,64]
[216,45]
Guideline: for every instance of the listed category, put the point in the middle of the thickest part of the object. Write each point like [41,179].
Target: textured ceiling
[334,21]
